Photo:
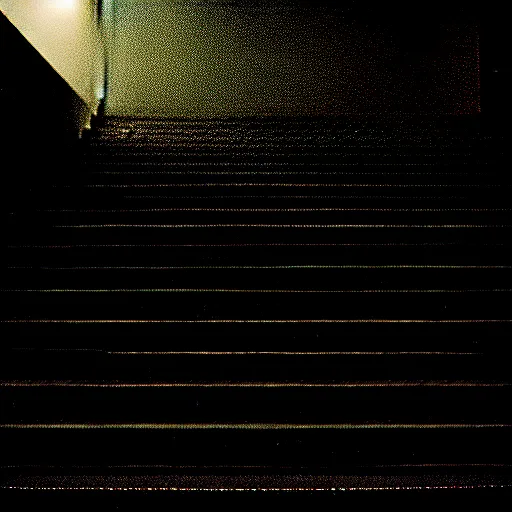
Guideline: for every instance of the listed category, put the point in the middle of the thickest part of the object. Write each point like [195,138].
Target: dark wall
[495,63]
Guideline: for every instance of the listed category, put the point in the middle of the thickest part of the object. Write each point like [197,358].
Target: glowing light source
[63,4]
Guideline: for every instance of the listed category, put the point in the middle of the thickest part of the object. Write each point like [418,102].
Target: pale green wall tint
[214,58]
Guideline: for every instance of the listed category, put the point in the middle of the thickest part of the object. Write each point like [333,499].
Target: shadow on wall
[42,116]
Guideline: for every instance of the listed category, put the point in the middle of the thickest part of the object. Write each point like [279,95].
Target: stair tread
[261,302]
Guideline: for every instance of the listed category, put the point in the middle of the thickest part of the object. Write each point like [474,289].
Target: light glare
[63,4]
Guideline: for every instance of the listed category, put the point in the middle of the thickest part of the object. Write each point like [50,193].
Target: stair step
[103,367]
[454,253]
[261,303]
[256,444]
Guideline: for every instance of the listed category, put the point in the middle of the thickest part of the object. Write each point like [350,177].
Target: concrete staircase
[262,304]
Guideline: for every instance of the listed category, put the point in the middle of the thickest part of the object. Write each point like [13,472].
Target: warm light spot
[63,4]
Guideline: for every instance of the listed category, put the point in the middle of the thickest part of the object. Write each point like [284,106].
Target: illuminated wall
[66,34]
[234,57]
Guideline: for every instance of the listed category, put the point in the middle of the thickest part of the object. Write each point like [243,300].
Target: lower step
[273,445]
[262,479]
